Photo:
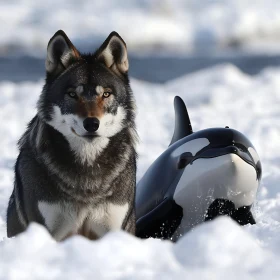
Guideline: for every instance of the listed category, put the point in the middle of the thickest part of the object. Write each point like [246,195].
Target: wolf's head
[87,97]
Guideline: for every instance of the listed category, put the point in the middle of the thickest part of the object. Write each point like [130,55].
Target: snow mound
[214,248]
[116,256]
[220,245]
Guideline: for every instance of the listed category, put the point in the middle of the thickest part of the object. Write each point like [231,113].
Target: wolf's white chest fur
[64,219]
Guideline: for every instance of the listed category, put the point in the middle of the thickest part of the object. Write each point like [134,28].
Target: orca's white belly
[206,179]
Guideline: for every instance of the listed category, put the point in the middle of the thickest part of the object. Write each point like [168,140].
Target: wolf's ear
[113,54]
[61,53]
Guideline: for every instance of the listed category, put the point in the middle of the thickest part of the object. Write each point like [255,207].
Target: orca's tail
[183,125]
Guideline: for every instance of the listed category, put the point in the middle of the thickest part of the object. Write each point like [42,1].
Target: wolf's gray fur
[76,170]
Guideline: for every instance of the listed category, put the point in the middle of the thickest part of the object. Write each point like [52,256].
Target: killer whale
[200,176]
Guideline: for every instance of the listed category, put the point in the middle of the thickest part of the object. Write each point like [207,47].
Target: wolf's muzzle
[91,124]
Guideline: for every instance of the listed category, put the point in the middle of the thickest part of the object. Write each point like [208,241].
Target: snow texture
[174,25]
[221,249]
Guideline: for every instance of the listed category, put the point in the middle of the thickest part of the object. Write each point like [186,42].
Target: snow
[215,97]
[173,25]
[212,251]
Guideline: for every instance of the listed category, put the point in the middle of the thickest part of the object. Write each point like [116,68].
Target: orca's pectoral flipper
[183,125]
[161,222]
[220,207]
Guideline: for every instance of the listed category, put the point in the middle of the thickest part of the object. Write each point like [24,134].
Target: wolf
[76,169]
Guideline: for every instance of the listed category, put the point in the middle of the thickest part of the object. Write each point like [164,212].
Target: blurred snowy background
[165,26]
[189,35]
[221,57]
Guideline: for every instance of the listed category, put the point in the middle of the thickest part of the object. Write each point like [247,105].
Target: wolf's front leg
[121,217]
[129,224]
[60,219]
[15,221]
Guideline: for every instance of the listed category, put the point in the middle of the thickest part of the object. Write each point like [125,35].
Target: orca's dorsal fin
[183,125]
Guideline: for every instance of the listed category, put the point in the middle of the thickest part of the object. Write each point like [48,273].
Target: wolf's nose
[91,124]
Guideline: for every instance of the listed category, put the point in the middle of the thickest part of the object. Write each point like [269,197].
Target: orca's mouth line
[220,151]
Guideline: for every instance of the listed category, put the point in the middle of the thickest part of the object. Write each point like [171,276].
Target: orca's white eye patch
[193,147]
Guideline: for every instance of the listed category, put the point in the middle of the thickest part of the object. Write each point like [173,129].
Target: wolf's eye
[72,94]
[106,94]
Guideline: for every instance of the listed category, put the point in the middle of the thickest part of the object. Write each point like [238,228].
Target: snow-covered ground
[174,25]
[220,249]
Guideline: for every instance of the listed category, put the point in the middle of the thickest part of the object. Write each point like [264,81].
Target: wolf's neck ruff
[80,178]
[84,151]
